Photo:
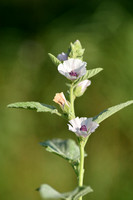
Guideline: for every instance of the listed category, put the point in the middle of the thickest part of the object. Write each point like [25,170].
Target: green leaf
[47,192]
[66,149]
[81,191]
[110,111]
[90,73]
[40,107]
[55,60]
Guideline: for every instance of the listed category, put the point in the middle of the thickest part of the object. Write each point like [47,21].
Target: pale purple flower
[83,126]
[62,57]
[72,68]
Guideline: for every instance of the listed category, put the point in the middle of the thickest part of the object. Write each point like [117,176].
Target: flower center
[72,73]
[83,128]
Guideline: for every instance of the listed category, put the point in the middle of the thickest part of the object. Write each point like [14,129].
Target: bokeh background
[29,29]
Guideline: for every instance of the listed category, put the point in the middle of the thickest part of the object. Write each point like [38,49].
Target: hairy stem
[72,112]
[81,142]
[81,167]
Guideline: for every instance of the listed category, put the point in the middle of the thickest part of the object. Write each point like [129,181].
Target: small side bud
[62,57]
[81,88]
[61,100]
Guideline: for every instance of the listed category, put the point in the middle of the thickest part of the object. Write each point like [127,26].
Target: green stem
[81,142]
[81,169]
[72,112]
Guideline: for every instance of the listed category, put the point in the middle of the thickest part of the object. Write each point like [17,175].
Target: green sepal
[39,107]
[65,108]
[90,73]
[47,192]
[110,111]
[67,149]
[76,50]
[55,60]
[78,91]
[81,87]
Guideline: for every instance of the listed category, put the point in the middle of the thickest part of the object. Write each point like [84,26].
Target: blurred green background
[29,29]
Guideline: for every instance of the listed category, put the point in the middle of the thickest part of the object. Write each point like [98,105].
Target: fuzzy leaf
[40,107]
[110,111]
[81,191]
[90,73]
[47,192]
[66,149]
[55,60]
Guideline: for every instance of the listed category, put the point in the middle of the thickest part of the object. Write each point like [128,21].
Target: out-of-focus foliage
[29,30]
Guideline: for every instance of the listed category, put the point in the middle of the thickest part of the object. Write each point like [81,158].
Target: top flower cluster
[72,66]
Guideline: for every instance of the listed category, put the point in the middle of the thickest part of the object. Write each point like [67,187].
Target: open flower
[83,126]
[81,87]
[72,68]
[61,100]
[62,57]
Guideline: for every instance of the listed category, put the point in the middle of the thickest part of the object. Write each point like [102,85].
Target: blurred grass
[28,31]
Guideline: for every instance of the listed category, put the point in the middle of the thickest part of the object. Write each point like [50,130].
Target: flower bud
[62,57]
[76,50]
[81,88]
[61,100]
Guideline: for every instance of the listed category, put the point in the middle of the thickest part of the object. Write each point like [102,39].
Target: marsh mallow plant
[74,69]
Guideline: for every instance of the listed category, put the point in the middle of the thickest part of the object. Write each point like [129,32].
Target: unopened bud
[81,88]
[62,57]
[61,100]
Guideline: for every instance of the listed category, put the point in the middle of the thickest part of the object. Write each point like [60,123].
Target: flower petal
[71,128]
[77,123]
[83,120]
[72,65]
[93,126]
[88,122]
